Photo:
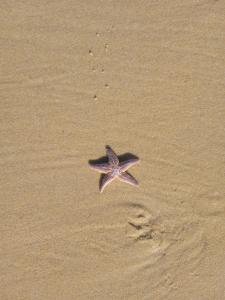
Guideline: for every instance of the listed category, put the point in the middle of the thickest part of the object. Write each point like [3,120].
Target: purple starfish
[115,169]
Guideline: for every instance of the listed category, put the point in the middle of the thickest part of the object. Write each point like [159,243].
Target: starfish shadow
[104,159]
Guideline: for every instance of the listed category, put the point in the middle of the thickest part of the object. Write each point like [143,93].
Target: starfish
[115,169]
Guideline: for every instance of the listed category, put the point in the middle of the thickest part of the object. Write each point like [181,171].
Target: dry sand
[145,77]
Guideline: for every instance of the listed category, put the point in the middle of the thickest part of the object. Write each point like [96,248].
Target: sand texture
[147,78]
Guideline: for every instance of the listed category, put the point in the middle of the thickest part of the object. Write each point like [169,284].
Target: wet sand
[147,78]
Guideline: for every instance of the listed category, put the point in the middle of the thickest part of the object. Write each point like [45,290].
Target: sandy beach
[146,78]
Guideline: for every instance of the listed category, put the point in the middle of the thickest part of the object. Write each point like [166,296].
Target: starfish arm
[106,179]
[125,177]
[102,168]
[124,166]
[113,159]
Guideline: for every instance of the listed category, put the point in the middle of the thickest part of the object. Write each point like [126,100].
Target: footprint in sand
[147,228]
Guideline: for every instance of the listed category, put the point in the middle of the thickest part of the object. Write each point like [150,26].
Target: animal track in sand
[97,54]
